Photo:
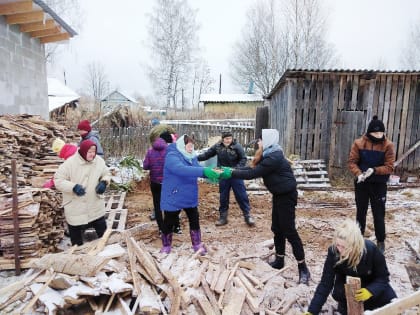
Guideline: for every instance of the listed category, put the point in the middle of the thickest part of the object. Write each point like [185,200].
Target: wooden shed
[319,113]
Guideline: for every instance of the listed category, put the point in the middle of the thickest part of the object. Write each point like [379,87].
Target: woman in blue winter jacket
[180,191]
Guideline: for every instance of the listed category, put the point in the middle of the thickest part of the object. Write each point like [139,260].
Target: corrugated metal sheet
[230,98]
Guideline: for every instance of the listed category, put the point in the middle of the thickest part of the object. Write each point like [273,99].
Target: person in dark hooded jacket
[352,255]
[86,133]
[270,164]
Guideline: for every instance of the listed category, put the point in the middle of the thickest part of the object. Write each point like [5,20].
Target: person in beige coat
[83,179]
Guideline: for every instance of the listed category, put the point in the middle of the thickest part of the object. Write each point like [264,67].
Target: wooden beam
[22,18]
[15,7]
[37,26]
[353,307]
[48,32]
[54,38]
[398,306]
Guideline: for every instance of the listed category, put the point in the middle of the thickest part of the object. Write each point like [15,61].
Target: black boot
[304,274]
[381,246]
[278,263]
[249,220]
[222,220]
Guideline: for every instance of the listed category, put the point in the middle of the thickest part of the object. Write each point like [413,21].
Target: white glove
[361,178]
[369,172]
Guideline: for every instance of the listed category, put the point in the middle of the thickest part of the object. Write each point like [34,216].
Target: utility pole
[220,84]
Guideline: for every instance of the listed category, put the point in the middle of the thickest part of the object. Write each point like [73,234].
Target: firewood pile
[41,225]
[28,139]
[123,275]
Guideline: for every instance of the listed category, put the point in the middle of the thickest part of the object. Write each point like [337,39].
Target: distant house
[60,98]
[244,104]
[25,28]
[117,99]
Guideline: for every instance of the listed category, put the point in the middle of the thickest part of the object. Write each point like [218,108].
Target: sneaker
[152,217]
[221,221]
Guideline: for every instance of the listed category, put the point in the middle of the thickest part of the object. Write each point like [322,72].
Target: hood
[270,137]
[159,144]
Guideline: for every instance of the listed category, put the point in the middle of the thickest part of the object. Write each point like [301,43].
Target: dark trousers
[156,189]
[283,225]
[171,218]
[76,231]
[239,191]
[375,193]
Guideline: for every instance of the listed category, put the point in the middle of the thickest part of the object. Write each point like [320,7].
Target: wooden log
[254,280]
[249,287]
[204,304]
[148,303]
[353,307]
[210,296]
[221,281]
[101,243]
[272,275]
[200,273]
[147,261]
[252,302]
[133,270]
[398,306]
[234,306]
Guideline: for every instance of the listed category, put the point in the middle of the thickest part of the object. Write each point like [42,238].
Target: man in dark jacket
[270,164]
[371,161]
[230,154]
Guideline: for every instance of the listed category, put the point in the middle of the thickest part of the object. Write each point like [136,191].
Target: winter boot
[222,220]
[249,220]
[278,263]
[381,246]
[196,242]
[304,274]
[166,243]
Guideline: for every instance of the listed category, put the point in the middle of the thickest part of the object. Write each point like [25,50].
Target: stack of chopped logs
[28,139]
[41,222]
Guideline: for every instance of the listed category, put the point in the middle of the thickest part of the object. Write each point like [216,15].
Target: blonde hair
[349,232]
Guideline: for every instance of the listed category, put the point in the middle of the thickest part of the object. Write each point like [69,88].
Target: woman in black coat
[270,164]
[352,255]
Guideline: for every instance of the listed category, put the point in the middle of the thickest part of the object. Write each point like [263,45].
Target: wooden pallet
[311,174]
[115,214]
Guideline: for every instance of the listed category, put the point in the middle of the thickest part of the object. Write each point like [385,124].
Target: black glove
[79,190]
[100,188]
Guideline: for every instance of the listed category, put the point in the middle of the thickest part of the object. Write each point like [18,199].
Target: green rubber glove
[211,174]
[227,173]
[362,295]
[307,313]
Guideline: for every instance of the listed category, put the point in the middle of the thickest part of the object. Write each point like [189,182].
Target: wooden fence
[120,142]
[320,113]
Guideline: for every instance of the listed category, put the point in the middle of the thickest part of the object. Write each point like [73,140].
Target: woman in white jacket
[82,179]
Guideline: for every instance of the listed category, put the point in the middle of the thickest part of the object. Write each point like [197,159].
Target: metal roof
[231,98]
[292,73]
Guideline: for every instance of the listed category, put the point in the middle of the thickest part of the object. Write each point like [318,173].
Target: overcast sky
[367,34]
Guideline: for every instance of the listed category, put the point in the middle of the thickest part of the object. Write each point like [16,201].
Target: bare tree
[173,37]
[202,81]
[410,55]
[280,35]
[71,12]
[96,80]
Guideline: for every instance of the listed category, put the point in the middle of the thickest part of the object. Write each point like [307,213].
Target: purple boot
[166,243]
[196,242]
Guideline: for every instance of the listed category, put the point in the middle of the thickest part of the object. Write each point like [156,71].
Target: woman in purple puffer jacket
[154,162]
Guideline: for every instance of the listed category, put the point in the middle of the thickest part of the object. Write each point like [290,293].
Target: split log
[210,296]
[353,307]
[81,265]
[204,304]
[200,273]
[398,306]
[234,306]
[148,302]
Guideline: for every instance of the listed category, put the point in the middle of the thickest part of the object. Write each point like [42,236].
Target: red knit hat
[84,125]
[85,145]
[67,151]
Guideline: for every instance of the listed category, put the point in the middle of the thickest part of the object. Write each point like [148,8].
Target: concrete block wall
[23,74]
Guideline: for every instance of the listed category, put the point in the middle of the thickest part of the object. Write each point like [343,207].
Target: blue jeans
[239,191]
